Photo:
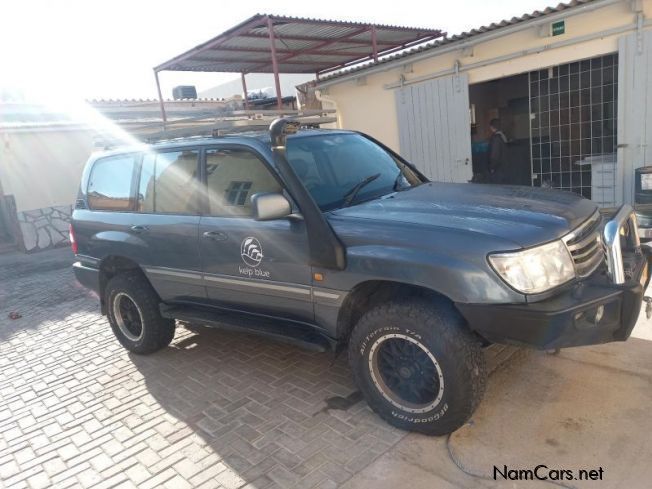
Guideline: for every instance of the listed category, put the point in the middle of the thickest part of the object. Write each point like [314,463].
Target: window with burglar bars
[573,117]
[237,192]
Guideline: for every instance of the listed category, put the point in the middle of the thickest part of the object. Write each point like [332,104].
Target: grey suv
[329,239]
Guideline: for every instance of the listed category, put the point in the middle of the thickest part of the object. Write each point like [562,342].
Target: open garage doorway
[507,101]
[560,124]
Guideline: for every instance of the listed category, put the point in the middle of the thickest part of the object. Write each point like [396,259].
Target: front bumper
[568,319]
[601,308]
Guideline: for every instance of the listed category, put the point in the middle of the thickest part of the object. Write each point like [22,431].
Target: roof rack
[229,123]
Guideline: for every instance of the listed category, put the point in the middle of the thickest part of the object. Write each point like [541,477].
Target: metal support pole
[374,43]
[244,90]
[277,82]
[160,99]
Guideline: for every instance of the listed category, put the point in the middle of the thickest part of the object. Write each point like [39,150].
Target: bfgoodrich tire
[133,312]
[418,366]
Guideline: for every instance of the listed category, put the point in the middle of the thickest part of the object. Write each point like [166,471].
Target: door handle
[139,229]
[215,235]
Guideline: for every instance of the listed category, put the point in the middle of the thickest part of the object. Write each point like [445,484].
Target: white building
[572,87]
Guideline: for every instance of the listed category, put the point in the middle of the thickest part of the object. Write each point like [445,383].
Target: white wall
[42,168]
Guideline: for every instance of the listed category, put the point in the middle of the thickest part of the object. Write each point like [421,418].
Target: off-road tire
[460,362]
[157,332]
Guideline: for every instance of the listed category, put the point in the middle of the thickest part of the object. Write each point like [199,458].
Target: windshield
[346,169]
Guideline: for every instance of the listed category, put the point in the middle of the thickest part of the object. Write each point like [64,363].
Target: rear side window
[169,183]
[109,185]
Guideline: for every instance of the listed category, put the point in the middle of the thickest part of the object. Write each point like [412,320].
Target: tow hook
[648,306]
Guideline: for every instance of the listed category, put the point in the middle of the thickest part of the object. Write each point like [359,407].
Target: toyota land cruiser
[327,238]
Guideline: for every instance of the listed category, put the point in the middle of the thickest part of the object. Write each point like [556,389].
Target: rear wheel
[418,366]
[133,312]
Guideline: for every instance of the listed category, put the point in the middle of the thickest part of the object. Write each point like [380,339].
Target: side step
[283,331]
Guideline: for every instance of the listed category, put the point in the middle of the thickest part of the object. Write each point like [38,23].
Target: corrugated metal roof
[464,36]
[302,45]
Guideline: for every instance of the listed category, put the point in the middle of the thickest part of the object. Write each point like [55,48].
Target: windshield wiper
[351,194]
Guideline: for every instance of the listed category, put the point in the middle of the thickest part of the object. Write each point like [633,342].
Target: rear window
[110,183]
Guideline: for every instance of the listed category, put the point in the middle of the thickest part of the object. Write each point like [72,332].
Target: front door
[259,266]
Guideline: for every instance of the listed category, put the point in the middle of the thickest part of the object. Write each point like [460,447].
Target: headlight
[537,269]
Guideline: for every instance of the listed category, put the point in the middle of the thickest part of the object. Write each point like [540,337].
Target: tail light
[73,240]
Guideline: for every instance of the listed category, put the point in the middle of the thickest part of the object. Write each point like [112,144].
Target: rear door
[251,265]
[166,223]
[434,127]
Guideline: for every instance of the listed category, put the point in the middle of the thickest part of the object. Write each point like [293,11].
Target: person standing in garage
[497,153]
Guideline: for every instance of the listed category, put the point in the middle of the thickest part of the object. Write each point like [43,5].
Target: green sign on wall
[558,28]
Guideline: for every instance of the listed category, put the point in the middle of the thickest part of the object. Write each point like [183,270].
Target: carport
[277,44]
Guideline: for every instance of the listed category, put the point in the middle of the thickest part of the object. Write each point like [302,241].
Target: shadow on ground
[275,414]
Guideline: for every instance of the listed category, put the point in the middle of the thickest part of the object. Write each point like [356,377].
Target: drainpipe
[319,95]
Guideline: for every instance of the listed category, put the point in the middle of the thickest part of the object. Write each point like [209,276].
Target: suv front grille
[585,246]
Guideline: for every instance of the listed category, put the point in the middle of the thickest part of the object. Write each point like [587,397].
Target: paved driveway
[216,409]
[220,409]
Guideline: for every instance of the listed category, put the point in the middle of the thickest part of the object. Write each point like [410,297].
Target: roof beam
[291,51]
[386,52]
[318,46]
[319,22]
[315,39]
[262,61]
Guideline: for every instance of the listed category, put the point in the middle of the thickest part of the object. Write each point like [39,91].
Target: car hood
[525,216]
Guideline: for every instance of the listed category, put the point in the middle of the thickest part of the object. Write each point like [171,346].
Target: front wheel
[418,366]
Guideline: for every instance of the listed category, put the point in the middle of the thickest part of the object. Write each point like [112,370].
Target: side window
[233,176]
[168,183]
[109,185]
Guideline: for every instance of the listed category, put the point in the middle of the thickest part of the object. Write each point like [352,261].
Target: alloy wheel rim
[128,316]
[406,373]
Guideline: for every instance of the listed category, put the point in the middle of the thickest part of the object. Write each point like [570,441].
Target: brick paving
[214,410]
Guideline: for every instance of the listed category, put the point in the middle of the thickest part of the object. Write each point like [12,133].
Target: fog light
[599,314]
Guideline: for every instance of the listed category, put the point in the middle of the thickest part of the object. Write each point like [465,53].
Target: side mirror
[270,206]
